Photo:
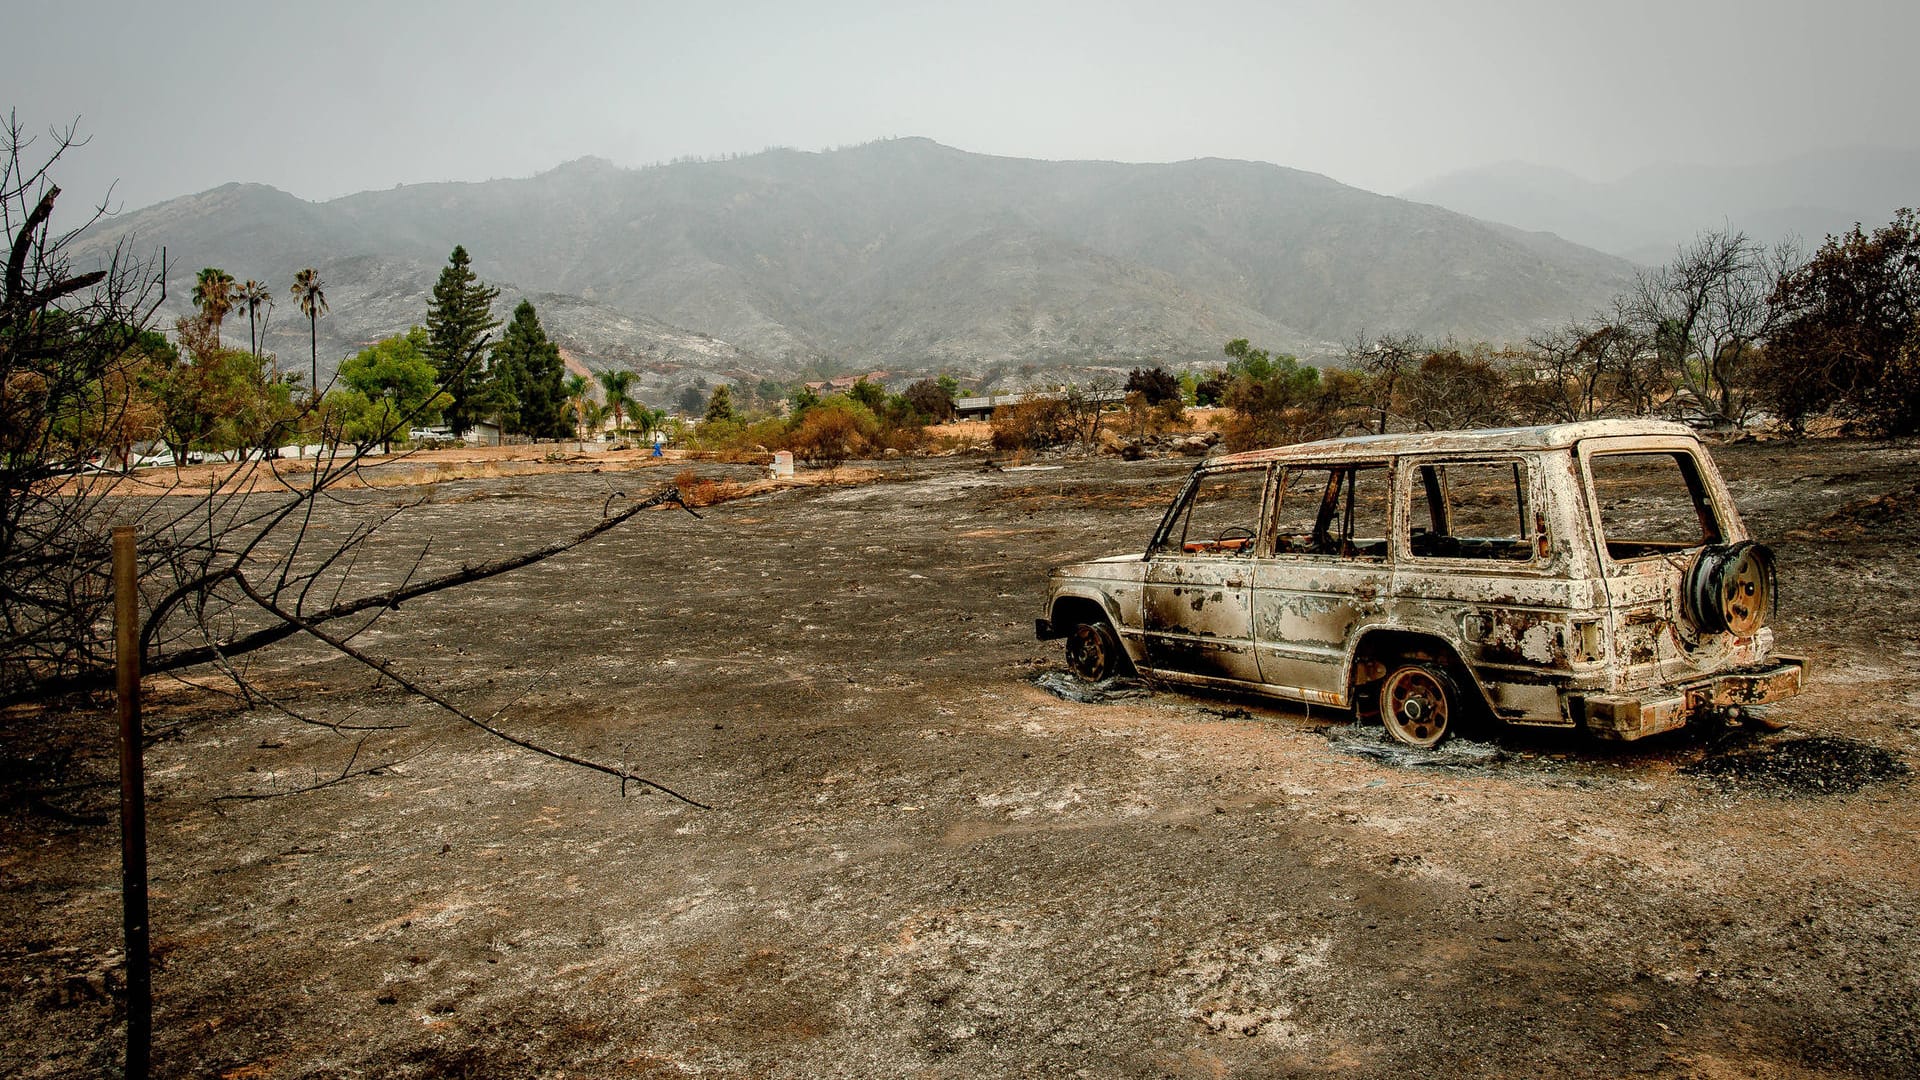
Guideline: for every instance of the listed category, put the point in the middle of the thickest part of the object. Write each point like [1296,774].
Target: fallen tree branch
[392,598]
[346,774]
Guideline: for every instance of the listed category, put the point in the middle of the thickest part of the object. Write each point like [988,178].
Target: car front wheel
[1093,653]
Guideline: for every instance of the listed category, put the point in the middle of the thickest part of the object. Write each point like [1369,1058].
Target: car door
[1653,509]
[1323,574]
[1196,603]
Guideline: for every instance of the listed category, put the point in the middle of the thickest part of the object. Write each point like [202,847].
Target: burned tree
[231,559]
[1707,314]
[1849,336]
[72,357]
[1386,361]
[1587,369]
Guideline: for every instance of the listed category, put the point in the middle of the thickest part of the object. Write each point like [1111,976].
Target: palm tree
[647,421]
[214,293]
[579,398]
[615,383]
[253,296]
[313,304]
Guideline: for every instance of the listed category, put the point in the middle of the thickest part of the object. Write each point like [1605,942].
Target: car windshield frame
[1179,515]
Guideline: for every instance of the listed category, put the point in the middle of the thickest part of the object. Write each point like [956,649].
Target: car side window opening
[1325,510]
[1652,503]
[1222,517]
[1470,510]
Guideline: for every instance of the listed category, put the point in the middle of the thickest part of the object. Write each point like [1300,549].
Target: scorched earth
[919,861]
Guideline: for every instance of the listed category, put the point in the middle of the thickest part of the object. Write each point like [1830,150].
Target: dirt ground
[922,863]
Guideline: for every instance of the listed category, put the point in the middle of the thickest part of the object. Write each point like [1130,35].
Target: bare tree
[1633,378]
[1387,359]
[69,377]
[1562,383]
[1452,388]
[232,562]
[1706,312]
[1089,404]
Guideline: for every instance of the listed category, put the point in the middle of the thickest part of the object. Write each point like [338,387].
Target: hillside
[900,254]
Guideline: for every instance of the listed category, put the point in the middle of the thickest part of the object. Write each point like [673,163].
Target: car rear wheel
[1093,653]
[1418,704]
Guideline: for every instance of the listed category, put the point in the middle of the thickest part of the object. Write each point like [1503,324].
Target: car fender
[1441,633]
[1126,629]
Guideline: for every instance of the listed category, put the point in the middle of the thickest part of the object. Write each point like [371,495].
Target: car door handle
[1236,584]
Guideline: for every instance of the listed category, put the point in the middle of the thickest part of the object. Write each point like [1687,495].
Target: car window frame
[1535,519]
[1277,493]
[1699,476]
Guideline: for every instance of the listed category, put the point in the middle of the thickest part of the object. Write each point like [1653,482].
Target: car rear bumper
[1633,716]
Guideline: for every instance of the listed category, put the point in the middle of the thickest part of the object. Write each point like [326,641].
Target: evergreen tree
[502,393]
[720,405]
[530,378]
[693,398]
[458,322]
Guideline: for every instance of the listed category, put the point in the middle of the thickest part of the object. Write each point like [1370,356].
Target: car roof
[1542,437]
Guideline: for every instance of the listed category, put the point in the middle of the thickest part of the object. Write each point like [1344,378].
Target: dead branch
[391,599]
[251,693]
[346,774]
[199,586]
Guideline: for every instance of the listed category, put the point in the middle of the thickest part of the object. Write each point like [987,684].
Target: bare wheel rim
[1090,652]
[1415,706]
[1746,595]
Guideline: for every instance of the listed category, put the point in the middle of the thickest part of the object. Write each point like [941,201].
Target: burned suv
[1590,575]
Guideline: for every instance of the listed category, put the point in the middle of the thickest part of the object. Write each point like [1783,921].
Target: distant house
[840,384]
[483,433]
[981,408]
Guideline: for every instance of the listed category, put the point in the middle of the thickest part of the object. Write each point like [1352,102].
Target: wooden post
[133,803]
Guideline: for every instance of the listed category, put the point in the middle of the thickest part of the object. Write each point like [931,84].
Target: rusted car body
[1592,575]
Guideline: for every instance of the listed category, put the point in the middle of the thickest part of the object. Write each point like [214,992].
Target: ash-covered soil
[923,861]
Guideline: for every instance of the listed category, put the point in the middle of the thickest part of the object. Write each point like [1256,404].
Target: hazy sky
[322,99]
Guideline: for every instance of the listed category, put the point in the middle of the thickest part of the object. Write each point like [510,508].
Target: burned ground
[921,862]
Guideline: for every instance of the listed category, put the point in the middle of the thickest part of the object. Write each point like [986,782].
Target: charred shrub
[1155,384]
[1145,417]
[1033,425]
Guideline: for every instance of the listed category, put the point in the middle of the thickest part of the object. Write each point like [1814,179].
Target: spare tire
[1730,588]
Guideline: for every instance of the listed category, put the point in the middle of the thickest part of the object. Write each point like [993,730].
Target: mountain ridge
[904,254]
